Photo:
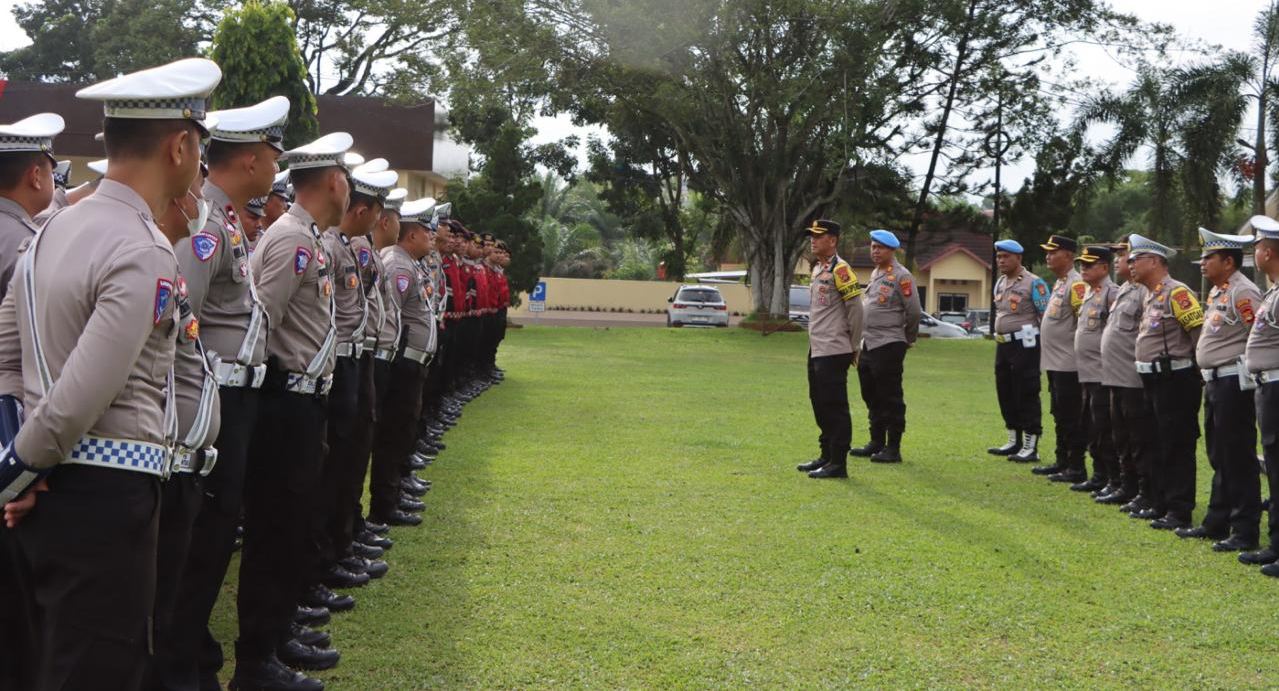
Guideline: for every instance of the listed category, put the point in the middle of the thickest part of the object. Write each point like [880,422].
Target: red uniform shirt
[457,282]
[481,274]
[504,290]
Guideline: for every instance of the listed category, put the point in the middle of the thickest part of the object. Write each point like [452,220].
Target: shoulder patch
[163,294]
[364,256]
[1244,305]
[1039,294]
[846,282]
[204,246]
[402,283]
[1078,290]
[908,286]
[1186,308]
[301,259]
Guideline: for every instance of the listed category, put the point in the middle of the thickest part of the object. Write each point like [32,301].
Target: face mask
[195,225]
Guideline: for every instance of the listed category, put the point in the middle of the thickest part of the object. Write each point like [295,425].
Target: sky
[1227,23]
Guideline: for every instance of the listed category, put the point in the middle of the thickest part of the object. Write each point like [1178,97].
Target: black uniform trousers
[828,393]
[1017,385]
[381,381]
[1135,444]
[180,499]
[91,544]
[17,635]
[445,355]
[190,655]
[1101,439]
[394,436]
[879,372]
[330,511]
[1267,396]
[1174,401]
[1230,433]
[1066,402]
[283,476]
[348,518]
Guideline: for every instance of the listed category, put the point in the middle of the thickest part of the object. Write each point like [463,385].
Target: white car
[935,328]
[697,305]
[799,305]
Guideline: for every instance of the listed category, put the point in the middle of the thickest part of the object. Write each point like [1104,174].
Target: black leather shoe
[1137,504]
[373,568]
[888,454]
[339,577]
[1046,469]
[1116,497]
[1201,533]
[270,675]
[312,616]
[1271,570]
[1169,522]
[299,656]
[1260,557]
[811,465]
[376,528]
[371,540]
[398,517]
[1071,476]
[1092,484]
[320,596]
[309,636]
[411,488]
[411,504]
[867,451]
[830,470]
[1146,514]
[1235,543]
[416,462]
[364,551]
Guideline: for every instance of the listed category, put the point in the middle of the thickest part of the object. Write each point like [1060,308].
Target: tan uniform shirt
[1094,312]
[105,278]
[215,263]
[1228,318]
[1171,319]
[834,313]
[371,271]
[348,297]
[59,201]
[389,330]
[191,374]
[16,227]
[409,296]
[1057,331]
[1262,353]
[892,309]
[1119,340]
[295,282]
[1019,301]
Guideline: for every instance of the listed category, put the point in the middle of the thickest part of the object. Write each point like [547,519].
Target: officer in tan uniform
[1020,300]
[1130,425]
[278,201]
[87,343]
[396,429]
[834,338]
[1058,361]
[26,183]
[1262,356]
[1230,416]
[1094,312]
[61,198]
[215,265]
[892,309]
[1170,324]
[293,277]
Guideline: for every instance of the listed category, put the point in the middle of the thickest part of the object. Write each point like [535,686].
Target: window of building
[952,302]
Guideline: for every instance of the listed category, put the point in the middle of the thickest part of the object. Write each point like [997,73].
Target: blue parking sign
[537,299]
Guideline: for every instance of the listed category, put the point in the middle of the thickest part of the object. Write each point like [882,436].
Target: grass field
[624,512]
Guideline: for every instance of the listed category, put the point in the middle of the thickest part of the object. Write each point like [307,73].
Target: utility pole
[997,144]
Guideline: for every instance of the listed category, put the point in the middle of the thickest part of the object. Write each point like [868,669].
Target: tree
[258,53]
[136,34]
[1263,63]
[61,49]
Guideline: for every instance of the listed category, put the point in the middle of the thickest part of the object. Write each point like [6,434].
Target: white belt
[234,374]
[194,460]
[121,454]
[301,383]
[370,344]
[1268,376]
[350,349]
[387,354]
[418,356]
[1210,373]
[1175,366]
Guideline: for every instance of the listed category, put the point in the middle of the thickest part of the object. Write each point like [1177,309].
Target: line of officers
[194,341]
[1128,366]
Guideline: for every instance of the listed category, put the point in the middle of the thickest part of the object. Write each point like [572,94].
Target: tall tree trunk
[1262,164]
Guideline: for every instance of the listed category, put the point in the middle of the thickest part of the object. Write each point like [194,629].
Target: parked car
[954,318]
[935,328]
[977,320]
[799,304]
[697,305]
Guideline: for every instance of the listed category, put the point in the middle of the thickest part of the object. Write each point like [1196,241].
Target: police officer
[277,202]
[1130,424]
[1170,324]
[1093,313]
[503,260]
[86,343]
[891,305]
[254,214]
[1020,300]
[1230,417]
[61,198]
[1058,361]
[834,338]
[1262,356]
[293,277]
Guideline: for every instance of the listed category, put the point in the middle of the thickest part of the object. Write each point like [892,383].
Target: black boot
[270,674]
[891,453]
[1029,452]
[1008,449]
[833,469]
[874,445]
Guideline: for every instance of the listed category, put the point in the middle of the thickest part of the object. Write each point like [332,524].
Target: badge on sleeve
[163,294]
[402,283]
[908,287]
[352,277]
[301,259]
[1078,290]
[1039,295]
[204,245]
[1244,305]
[1186,308]
[191,329]
[364,257]
[846,282]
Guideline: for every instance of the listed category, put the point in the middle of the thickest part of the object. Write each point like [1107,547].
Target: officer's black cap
[1060,242]
[1097,253]
[824,226]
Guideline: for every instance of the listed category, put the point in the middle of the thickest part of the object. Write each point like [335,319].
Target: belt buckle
[209,455]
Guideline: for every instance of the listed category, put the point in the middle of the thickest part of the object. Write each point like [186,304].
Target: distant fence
[639,297]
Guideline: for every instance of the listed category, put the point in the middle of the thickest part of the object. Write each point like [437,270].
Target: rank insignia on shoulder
[301,259]
[402,283]
[364,256]
[163,294]
[204,246]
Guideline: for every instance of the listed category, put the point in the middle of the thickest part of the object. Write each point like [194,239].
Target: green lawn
[624,512]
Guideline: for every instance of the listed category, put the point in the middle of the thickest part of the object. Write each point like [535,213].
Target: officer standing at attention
[834,337]
[892,312]
[1129,411]
[1170,324]
[1262,356]
[293,276]
[61,198]
[1230,415]
[1094,312]
[1020,300]
[86,344]
[277,202]
[1064,392]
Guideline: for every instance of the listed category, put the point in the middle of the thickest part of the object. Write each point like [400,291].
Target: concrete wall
[578,293]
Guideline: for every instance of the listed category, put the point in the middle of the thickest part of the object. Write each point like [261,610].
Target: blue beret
[885,238]
[1010,246]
